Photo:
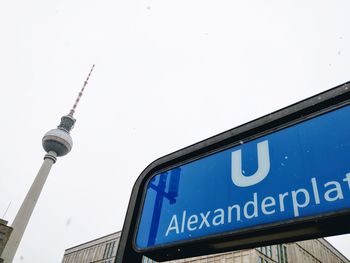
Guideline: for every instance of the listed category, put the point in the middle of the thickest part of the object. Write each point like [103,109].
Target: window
[265,250]
[281,252]
[269,251]
[147,260]
[109,250]
[285,254]
[278,253]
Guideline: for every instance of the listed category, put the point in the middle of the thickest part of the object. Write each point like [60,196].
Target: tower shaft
[22,218]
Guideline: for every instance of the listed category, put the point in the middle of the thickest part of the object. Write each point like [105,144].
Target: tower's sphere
[57,140]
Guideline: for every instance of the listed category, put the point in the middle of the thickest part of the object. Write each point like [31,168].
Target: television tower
[56,142]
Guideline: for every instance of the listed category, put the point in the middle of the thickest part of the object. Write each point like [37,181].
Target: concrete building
[101,250]
[5,232]
[104,249]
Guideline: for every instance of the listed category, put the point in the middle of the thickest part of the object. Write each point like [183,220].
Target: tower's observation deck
[59,140]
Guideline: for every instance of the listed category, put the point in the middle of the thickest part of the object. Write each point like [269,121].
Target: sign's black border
[312,227]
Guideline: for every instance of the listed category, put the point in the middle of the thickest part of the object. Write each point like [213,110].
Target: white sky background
[168,74]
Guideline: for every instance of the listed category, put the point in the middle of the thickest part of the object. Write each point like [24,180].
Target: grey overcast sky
[168,74]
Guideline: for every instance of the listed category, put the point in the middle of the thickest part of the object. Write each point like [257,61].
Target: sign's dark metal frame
[303,228]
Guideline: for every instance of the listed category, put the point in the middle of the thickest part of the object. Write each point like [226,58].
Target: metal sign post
[280,178]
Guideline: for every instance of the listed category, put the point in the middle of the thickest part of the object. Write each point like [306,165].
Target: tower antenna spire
[72,111]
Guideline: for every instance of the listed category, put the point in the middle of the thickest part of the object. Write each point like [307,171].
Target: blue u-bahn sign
[299,171]
[283,177]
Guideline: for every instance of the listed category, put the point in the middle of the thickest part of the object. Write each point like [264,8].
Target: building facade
[101,250]
[5,232]
[104,250]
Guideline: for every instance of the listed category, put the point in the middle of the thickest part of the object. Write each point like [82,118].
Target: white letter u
[263,166]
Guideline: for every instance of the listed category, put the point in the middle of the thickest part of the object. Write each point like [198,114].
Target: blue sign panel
[298,172]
